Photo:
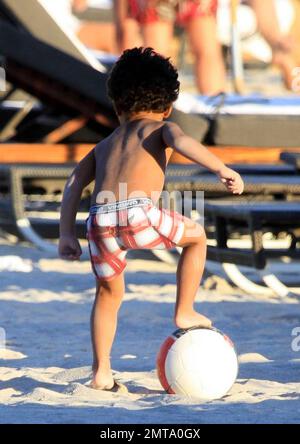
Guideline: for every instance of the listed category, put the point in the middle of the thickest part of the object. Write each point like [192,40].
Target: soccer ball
[198,363]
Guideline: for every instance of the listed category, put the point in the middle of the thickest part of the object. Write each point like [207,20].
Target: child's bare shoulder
[104,143]
[162,126]
[171,127]
[170,131]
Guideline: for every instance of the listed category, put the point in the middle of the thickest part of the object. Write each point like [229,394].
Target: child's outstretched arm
[175,138]
[83,174]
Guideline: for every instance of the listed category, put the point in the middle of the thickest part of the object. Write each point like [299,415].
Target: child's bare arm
[83,174]
[175,138]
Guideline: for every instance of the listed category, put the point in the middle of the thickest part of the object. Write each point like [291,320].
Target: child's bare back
[132,160]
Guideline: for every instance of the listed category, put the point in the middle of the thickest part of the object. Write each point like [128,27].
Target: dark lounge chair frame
[256,215]
[13,214]
[257,218]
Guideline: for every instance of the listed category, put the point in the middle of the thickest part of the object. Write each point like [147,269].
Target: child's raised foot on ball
[193,319]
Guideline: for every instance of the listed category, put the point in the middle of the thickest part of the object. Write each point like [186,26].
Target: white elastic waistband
[119,205]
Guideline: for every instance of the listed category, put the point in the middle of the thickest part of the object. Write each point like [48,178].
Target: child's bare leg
[103,328]
[189,273]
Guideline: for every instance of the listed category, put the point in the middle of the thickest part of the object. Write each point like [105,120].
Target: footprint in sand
[252,357]
[10,354]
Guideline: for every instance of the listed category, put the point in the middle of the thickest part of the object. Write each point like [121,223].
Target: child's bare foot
[192,319]
[108,384]
[102,381]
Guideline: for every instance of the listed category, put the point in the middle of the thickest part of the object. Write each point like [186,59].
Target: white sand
[46,363]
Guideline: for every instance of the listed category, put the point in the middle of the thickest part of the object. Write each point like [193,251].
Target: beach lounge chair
[254,219]
[270,204]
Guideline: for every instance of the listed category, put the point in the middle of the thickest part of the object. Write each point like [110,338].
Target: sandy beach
[45,365]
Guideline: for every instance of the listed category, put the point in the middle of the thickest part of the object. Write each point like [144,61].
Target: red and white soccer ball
[198,362]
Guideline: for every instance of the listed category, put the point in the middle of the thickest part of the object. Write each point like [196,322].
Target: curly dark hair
[142,80]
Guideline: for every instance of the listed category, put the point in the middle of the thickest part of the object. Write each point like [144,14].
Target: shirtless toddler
[128,167]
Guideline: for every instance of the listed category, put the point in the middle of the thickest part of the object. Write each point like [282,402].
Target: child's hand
[232,180]
[69,248]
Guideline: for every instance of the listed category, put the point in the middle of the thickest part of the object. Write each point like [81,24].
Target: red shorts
[181,11]
[112,229]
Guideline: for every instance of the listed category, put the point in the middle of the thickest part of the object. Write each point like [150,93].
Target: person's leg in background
[158,35]
[295,32]
[209,64]
[110,36]
[98,36]
[127,27]
[282,44]
[132,35]
[102,36]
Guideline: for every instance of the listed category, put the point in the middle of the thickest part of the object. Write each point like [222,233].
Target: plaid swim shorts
[112,229]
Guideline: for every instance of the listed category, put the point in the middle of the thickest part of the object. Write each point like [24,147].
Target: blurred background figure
[157,19]
[277,34]
[97,28]
[270,32]
[96,34]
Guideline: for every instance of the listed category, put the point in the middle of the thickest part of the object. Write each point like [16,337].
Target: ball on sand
[197,362]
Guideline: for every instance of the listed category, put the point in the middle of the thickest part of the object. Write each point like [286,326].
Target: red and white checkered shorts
[181,11]
[112,229]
